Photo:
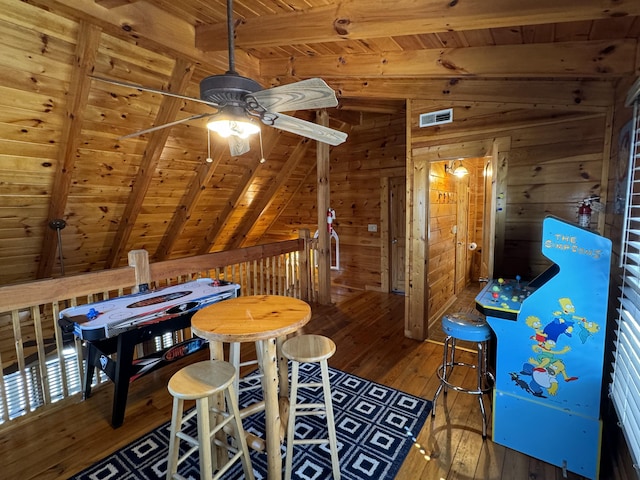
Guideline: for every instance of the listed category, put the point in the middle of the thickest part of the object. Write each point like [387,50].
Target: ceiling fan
[241,103]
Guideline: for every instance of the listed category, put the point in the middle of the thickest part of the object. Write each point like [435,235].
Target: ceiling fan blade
[238,146]
[306,129]
[165,125]
[303,95]
[153,90]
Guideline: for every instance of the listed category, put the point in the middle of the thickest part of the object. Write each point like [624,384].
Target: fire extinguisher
[331,215]
[584,214]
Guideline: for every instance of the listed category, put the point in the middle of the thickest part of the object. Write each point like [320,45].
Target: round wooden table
[262,319]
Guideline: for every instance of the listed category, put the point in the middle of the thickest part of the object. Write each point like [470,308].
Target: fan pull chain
[209,159]
[262,159]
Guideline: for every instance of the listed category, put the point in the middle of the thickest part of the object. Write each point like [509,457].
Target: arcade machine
[550,336]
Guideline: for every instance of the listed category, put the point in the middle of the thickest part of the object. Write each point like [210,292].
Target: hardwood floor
[368,328]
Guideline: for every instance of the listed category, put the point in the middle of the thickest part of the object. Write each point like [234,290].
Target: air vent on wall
[436,118]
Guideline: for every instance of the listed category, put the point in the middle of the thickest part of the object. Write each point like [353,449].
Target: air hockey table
[118,325]
[550,339]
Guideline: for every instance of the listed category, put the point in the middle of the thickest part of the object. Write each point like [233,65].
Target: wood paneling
[546,78]
[555,160]
[61,155]
[376,151]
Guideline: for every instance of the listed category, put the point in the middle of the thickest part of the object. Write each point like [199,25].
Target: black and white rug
[375,426]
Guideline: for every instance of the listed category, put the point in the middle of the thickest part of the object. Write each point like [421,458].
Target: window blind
[25,392]
[624,389]
[18,386]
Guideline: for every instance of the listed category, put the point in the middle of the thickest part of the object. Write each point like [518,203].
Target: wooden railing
[40,366]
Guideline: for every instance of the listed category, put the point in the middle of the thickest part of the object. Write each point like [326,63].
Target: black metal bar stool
[472,328]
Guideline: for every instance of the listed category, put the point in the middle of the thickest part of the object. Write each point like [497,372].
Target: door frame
[401,197]
[385,229]
[417,314]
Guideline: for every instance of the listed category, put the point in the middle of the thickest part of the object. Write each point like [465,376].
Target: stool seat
[308,348]
[201,379]
[466,326]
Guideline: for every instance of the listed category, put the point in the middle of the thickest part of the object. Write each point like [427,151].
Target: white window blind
[625,385]
[24,392]
[19,386]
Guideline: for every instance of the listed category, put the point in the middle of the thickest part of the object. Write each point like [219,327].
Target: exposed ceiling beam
[178,83]
[610,58]
[569,93]
[362,19]
[79,85]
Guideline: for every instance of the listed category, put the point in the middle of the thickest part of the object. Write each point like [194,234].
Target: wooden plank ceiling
[60,156]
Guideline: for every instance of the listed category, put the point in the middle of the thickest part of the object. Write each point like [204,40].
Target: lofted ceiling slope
[60,152]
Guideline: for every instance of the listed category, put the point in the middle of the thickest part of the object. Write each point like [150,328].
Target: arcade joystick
[518,278]
[495,296]
[501,281]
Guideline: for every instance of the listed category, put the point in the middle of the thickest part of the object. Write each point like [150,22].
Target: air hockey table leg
[93,356]
[122,376]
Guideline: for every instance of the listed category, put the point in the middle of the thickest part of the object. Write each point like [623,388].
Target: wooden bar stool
[199,382]
[245,383]
[310,349]
[472,328]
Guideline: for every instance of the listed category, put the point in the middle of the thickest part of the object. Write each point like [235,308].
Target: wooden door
[462,234]
[397,226]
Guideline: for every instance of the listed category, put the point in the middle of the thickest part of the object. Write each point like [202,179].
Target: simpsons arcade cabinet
[550,336]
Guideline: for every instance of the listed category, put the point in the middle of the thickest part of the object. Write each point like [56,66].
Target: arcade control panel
[503,298]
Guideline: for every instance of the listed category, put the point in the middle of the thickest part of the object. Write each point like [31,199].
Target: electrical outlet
[372,227]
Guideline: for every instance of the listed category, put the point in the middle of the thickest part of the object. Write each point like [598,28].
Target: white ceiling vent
[436,118]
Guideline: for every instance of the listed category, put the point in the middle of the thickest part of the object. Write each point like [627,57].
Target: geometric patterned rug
[375,427]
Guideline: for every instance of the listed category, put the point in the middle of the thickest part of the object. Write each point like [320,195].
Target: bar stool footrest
[488,376]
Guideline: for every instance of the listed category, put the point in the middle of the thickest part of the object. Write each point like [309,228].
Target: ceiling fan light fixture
[227,127]
[233,121]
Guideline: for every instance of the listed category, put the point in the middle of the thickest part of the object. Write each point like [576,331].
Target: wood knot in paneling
[340,25]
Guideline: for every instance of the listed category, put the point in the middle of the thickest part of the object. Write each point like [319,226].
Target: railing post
[305,265]
[139,259]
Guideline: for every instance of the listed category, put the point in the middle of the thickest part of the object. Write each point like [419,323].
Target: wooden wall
[375,152]
[551,157]
[551,169]
[552,165]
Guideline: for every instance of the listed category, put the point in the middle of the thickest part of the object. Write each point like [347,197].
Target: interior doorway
[457,216]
